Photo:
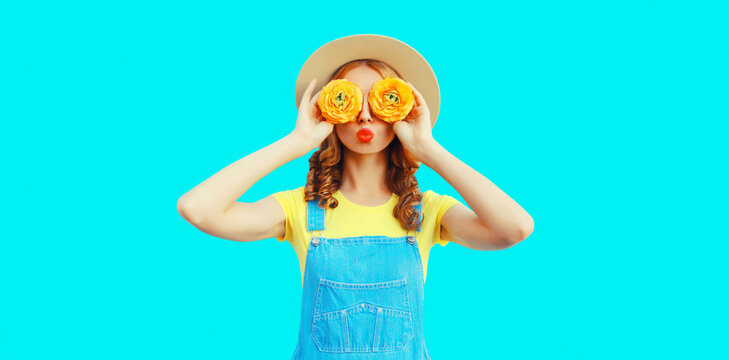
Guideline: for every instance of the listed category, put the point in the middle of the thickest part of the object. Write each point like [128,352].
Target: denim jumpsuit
[362,296]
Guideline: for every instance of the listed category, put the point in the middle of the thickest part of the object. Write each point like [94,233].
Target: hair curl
[325,164]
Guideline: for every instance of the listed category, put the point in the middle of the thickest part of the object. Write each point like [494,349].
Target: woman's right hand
[311,126]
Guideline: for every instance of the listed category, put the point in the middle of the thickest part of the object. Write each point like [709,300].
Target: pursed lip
[365,134]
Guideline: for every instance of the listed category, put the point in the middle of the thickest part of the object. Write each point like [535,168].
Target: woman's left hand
[415,131]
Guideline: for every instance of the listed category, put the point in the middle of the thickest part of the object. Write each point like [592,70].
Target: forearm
[216,194]
[498,212]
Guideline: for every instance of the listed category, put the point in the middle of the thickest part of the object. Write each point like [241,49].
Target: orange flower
[340,101]
[391,99]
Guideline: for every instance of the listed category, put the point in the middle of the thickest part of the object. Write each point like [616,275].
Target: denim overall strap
[362,297]
[314,216]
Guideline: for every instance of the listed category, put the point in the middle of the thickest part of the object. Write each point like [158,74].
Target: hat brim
[404,59]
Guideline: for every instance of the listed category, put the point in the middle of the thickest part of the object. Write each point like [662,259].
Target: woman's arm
[207,204]
[496,222]
[212,205]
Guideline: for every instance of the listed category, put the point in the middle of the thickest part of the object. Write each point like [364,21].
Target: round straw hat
[404,59]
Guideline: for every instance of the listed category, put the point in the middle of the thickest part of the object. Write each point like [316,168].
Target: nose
[364,115]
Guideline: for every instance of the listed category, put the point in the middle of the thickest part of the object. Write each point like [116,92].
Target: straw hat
[404,59]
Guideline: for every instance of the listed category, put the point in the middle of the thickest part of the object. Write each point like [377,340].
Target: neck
[364,174]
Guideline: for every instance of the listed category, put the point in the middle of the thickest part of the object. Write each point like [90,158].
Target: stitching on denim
[377,285]
[407,296]
[314,339]
[345,325]
[354,240]
[316,302]
[307,264]
[314,215]
[309,216]
[320,218]
[377,330]
[419,261]
[360,349]
[342,314]
[358,308]
[333,349]
[409,320]
[320,213]
[412,334]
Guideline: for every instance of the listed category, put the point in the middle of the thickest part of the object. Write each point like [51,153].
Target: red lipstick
[365,135]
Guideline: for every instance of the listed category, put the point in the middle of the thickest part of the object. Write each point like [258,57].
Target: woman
[360,226]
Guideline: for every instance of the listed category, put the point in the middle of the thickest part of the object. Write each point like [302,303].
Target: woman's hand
[415,132]
[311,127]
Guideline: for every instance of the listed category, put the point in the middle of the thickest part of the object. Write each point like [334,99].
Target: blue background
[604,120]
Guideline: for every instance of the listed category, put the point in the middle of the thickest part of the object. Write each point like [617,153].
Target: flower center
[339,99]
[392,97]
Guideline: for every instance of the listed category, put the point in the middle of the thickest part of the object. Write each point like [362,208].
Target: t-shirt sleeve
[287,200]
[441,205]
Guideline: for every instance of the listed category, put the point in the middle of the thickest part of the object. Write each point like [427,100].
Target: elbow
[188,211]
[520,234]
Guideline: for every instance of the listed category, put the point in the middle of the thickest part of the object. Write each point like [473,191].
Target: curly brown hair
[325,164]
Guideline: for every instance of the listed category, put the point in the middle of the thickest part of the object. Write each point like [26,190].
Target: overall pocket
[362,317]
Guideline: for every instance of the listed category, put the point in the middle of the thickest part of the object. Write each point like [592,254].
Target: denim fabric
[362,296]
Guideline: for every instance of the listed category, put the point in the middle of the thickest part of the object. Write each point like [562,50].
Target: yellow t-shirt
[349,219]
